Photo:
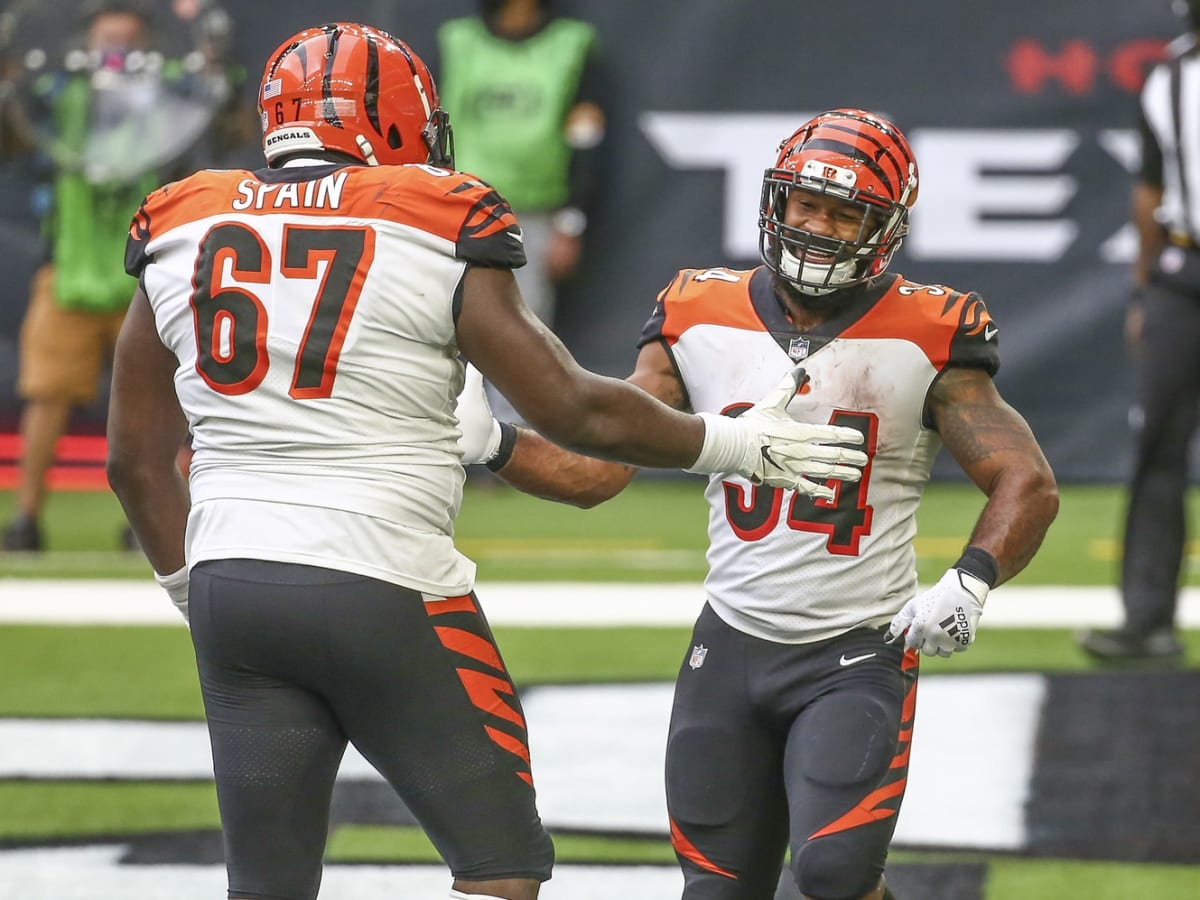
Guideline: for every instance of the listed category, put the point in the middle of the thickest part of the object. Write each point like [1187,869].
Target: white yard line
[586,739]
[95,873]
[85,602]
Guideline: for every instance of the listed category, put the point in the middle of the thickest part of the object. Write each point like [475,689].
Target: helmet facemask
[864,164]
[818,264]
[439,138]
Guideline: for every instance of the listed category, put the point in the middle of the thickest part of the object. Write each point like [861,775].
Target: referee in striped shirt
[1163,330]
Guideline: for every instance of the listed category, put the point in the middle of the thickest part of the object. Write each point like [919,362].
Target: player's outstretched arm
[535,465]
[623,422]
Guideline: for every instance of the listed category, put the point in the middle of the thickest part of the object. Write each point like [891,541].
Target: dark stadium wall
[1022,114]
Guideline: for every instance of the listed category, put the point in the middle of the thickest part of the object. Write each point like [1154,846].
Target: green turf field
[655,531]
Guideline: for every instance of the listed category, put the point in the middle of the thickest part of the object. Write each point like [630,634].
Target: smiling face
[834,207]
[829,217]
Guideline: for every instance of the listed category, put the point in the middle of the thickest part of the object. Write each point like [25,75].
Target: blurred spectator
[83,125]
[522,87]
[1163,331]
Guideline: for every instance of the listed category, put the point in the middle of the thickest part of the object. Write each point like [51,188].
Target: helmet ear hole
[393,138]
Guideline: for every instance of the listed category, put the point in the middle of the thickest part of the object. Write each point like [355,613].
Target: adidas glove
[176,586]
[943,619]
[768,446]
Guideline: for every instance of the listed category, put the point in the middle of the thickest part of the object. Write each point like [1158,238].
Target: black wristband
[978,562]
[508,441]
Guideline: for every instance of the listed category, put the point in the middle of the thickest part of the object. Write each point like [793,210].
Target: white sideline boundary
[142,602]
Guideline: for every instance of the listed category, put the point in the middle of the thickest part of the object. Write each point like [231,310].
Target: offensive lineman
[793,715]
[305,321]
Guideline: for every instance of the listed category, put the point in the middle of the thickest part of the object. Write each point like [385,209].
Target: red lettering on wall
[1130,63]
[1078,68]
[1031,66]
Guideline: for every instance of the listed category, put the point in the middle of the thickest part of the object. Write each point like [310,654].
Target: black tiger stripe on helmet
[370,97]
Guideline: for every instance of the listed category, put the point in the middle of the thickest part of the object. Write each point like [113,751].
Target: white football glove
[480,431]
[767,446]
[943,619]
[176,586]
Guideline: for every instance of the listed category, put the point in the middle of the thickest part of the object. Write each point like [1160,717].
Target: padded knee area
[700,790]
[827,869]
[856,741]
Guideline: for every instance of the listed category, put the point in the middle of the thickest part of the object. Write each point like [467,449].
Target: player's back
[312,312]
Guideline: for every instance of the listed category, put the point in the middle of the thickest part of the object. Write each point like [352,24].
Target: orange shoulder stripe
[444,205]
[909,312]
[697,298]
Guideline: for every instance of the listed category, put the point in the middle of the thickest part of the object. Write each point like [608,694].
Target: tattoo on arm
[974,430]
[996,448]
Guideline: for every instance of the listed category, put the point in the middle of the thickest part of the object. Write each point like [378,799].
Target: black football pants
[295,661]
[1169,394]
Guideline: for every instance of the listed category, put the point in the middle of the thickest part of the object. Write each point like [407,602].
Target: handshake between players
[764,444]
[768,446]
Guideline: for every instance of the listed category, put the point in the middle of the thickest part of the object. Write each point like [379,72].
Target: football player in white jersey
[305,322]
[794,701]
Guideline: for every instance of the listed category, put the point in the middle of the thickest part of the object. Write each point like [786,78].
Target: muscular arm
[546,470]
[604,417]
[994,446]
[145,430]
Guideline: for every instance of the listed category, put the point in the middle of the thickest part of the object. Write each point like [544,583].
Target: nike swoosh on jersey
[851,660]
[989,332]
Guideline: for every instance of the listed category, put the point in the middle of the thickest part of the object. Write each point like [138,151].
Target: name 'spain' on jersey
[782,566]
[311,309]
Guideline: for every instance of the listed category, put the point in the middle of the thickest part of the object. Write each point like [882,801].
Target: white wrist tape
[176,586]
[492,445]
[724,448]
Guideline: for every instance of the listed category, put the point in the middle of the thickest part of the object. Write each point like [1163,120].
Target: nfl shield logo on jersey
[698,654]
[798,349]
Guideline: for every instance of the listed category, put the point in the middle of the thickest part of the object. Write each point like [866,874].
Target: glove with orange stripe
[768,446]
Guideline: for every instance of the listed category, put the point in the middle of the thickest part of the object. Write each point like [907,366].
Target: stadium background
[1022,116]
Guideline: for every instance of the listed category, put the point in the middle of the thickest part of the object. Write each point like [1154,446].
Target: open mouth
[818,257]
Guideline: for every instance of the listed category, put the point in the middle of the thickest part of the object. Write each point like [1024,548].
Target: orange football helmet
[352,89]
[857,157]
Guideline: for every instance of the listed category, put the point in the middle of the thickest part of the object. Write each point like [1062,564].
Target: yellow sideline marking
[534,552]
[1109,550]
[939,547]
[537,544]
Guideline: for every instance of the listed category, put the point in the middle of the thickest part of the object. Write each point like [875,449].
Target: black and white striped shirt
[1170,125]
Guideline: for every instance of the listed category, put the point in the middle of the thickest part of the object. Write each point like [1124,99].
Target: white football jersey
[782,566]
[311,309]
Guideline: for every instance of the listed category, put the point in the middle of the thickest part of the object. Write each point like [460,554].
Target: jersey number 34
[754,514]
